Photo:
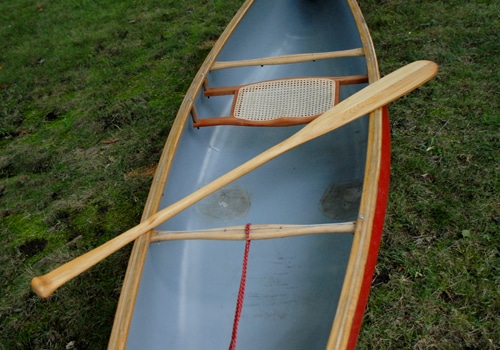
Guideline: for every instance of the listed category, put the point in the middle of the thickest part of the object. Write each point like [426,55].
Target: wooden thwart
[287,59]
[257,232]
[231,90]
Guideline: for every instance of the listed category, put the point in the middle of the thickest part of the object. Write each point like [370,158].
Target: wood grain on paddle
[370,98]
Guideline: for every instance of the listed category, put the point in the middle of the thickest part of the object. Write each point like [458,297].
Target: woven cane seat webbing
[301,97]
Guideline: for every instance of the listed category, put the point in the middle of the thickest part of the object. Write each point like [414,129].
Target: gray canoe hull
[188,289]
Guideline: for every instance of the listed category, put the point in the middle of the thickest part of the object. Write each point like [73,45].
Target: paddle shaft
[376,95]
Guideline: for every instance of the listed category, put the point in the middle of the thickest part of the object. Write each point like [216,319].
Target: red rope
[241,292]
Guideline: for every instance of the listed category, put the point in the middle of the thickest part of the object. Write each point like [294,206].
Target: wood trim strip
[231,90]
[194,114]
[287,59]
[230,120]
[338,84]
[257,232]
[221,91]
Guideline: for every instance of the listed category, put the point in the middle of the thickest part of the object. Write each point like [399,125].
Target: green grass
[88,92]
[437,283]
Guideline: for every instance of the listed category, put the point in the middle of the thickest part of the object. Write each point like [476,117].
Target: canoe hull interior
[292,282]
[188,289]
[291,296]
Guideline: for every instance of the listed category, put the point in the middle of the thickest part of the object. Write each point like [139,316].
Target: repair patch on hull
[341,200]
[227,204]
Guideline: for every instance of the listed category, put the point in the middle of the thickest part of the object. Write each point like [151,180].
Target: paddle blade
[376,95]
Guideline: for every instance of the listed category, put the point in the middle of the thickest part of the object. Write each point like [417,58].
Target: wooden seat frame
[285,120]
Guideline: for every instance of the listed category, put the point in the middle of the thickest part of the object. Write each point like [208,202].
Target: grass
[88,93]
[438,271]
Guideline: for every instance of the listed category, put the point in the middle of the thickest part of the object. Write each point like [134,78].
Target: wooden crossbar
[257,232]
[287,59]
[231,90]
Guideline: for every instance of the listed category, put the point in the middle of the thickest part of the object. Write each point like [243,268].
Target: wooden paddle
[376,95]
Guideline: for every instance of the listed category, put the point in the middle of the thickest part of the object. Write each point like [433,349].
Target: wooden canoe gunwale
[344,332]
[341,336]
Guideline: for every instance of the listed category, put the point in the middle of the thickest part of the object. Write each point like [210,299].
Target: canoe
[283,257]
